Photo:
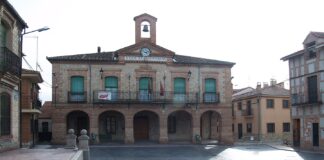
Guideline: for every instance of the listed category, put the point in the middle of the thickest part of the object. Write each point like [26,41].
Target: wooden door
[141,128]
[296,132]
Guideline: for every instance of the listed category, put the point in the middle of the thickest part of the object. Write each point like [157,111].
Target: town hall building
[142,92]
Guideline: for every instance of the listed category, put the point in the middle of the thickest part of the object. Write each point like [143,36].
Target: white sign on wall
[104,95]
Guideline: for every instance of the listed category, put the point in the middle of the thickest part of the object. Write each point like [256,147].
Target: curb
[296,150]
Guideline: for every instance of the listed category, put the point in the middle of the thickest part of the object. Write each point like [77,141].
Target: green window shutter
[111,82]
[179,85]
[3,36]
[77,84]
[210,85]
[144,83]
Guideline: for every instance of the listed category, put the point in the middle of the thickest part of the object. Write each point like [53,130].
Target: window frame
[271,127]
[249,127]
[286,127]
[272,103]
[285,103]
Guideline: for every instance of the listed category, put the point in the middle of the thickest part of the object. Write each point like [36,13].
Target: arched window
[111,85]
[145,88]
[179,89]
[77,93]
[5,114]
[210,90]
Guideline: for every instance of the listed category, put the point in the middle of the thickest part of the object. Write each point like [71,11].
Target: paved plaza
[199,152]
[166,152]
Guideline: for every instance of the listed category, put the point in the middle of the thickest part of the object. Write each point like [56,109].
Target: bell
[145,28]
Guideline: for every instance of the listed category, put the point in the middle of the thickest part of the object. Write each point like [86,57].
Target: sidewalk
[39,154]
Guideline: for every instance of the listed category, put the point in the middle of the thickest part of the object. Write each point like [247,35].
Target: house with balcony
[11,25]
[31,106]
[142,92]
[262,114]
[306,74]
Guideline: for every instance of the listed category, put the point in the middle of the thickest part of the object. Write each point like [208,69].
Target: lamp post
[21,35]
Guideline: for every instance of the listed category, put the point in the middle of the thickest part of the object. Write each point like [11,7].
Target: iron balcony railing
[247,112]
[37,104]
[9,62]
[102,96]
[77,97]
[211,97]
[301,99]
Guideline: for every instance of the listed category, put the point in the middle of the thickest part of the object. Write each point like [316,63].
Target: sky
[254,34]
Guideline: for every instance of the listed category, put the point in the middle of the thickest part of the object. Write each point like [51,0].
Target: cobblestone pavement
[198,152]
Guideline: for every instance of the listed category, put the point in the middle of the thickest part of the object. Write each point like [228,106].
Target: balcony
[77,97]
[300,99]
[102,96]
[9,62]
[247,113]
[37,104]
[211,97]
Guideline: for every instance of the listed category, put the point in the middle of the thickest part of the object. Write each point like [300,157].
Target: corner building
[306,74]
[141,92]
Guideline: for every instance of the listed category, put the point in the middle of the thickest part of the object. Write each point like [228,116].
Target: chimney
[99,49]
[258,87]
[265,84]
[273,82]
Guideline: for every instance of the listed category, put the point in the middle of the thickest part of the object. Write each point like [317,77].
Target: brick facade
[10,68]
[192,118]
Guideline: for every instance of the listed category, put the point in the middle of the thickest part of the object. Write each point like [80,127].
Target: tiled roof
[26,71]
[274,90]
[293,55]
[108,57]
[103,56]
[15,13]
[180,59]
[47,110]
[318,34]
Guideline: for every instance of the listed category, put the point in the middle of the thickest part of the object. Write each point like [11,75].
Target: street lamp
[21,35]
[36,30]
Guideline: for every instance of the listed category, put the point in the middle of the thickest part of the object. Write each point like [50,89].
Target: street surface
[198,152]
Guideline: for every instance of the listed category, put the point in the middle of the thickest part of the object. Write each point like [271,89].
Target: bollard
[84,144]
[71,140]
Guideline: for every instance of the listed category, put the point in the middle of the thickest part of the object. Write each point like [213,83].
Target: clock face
[145,52]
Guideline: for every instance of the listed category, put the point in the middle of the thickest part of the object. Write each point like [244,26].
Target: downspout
[259,116]
[20,83]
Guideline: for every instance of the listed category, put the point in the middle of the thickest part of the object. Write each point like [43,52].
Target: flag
[161,89]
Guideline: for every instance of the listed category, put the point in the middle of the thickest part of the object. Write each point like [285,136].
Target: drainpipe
[19,87]
[259,116]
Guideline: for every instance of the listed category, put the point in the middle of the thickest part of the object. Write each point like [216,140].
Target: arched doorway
[210,125]
[146,126]
[179,126]
[77,120]
[111,126]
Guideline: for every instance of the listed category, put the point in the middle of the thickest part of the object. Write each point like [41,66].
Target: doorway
[240,130]
[296,132]
[146,126]
[141,128]
[315,135]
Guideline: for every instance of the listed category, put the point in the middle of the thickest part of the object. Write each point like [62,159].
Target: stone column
[196,137]
[71,140]
[58,128]
[94,136]
[129,130]
[163,129]
[84,144]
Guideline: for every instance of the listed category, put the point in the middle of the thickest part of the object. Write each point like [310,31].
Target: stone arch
[77,120]
[179,125]
[146,125]
[111,126]
[210,125]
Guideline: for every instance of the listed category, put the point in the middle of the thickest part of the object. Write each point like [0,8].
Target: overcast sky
[254,34]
